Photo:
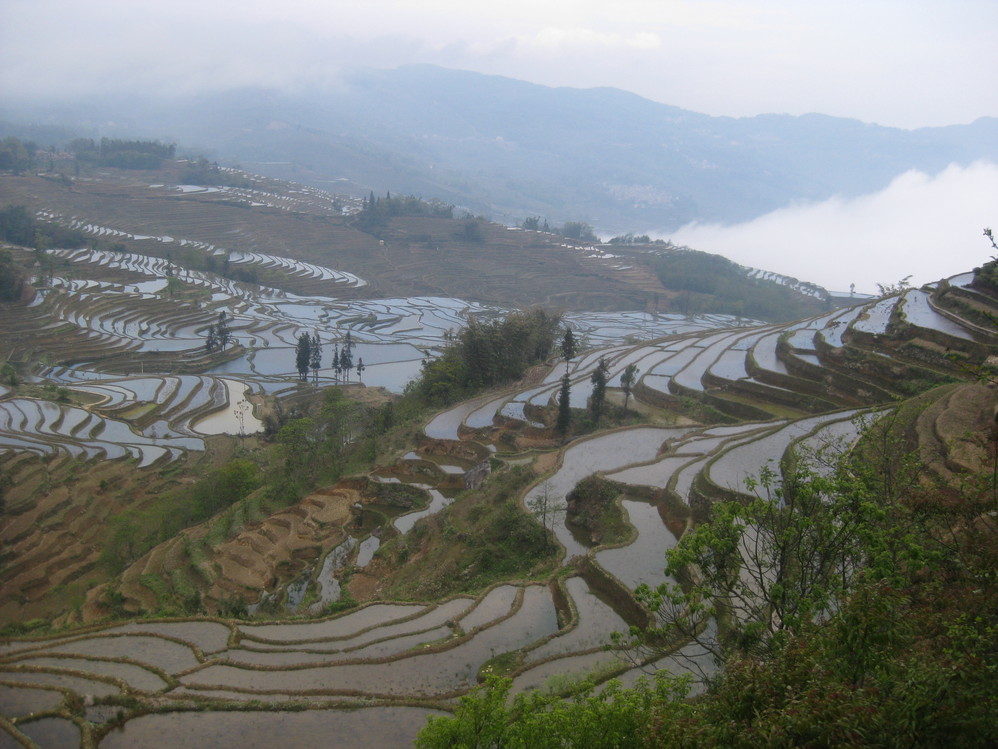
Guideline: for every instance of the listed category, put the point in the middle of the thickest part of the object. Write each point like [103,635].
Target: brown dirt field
[536,268]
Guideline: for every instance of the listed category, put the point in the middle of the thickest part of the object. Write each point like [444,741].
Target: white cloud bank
[927,226]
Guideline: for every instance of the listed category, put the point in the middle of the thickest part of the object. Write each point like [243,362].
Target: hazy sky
[906,63]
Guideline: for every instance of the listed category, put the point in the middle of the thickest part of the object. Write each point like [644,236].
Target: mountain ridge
[509,149]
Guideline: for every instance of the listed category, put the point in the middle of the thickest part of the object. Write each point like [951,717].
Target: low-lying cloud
[927,226]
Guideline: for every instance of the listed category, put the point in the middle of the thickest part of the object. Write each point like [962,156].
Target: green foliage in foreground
[615,717]
[932,681]
[850,607]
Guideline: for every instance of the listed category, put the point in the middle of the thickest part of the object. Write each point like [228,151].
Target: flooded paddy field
[371,676]
[346,729]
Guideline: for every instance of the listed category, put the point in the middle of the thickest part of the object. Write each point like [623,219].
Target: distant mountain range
[510,149]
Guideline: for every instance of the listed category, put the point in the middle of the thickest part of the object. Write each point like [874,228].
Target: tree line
[376,211]
[712,283]
[122,154]
[16,155]
[488,353]
[577,230]
[18,226]
[308,356]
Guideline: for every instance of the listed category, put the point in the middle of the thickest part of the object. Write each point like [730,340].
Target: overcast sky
[905,63]
[902,63]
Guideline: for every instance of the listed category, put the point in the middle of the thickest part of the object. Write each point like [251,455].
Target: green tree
[303,355]
[222,331]
[787,556]
[488,353]
[579,231]
[173,285]
[568,347]
[16,156]
[472,231]
[12,278]
[211,339]
[346,356]
[627,380]
[599,378]
[564,406]
[17,225]
[8,375]
[315,357]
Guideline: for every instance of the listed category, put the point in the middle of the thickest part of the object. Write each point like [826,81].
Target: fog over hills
[510,149]
[756,189]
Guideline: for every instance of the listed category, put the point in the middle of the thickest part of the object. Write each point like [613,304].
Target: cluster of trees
[218,335]
[407,205]
[488,353]
[308,356]
[19,226]
[200,171]
[323,445]
[375,212]
[577,230]
[636,239]
[16,155]
[712,283]
[122,154]
[850,604]
[599,378]
[12,278]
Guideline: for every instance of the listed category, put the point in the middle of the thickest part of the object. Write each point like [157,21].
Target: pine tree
[346,356]
[303,355]
[599,379]
[360,369]
[627,381]
[212,339]
[564,406]
[568,347]
[222,331]
[315,357]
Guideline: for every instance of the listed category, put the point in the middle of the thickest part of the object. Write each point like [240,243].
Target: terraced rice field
[147,391]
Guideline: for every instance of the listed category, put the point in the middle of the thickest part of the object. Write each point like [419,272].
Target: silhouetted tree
[564,406]
[346,356]
[568,347]
[627,380]
[303,355]
[222,330]
[315,357]
[599,378]
[211,340]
